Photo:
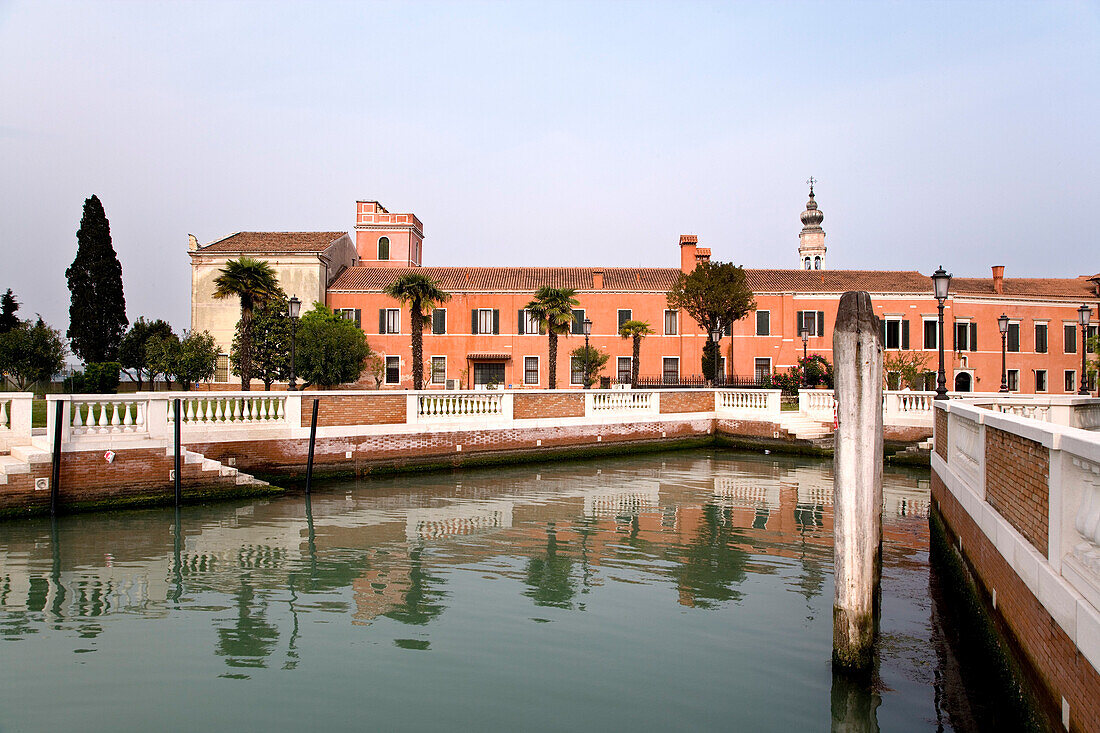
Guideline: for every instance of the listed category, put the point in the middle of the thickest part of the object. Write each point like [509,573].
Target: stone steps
[804,427]
[210,467]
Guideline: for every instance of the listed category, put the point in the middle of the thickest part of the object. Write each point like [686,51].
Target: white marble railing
[619,401]
[764,401]
[15,419]
[458,405]
[107,415]
[212,408]
[817,403]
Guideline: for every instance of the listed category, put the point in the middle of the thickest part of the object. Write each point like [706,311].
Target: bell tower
[383,239]
[811,240]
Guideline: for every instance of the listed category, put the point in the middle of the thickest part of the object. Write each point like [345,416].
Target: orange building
[484,336]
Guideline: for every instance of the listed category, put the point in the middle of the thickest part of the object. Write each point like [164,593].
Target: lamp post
[1002,323]
[294,307]
[587,324]
[716,338]
[941,281]
[805,334]
[1083,315]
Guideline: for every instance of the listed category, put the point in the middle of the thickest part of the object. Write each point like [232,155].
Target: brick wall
[529,406]
[941,433]
[1016,475]
[380,409]
[702,401]
[1051,653]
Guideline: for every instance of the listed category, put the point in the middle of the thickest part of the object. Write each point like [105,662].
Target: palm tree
[420,293]
[554,309]
[254,282]
[636,331]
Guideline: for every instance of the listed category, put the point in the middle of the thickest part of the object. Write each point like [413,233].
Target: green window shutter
[905,334]
[882,328]
[358,318]
[381,320]
[519,322]
[955,338]
[496,320]
[821,323]
[439,321]
[973,336]
[576,328]
[473,321]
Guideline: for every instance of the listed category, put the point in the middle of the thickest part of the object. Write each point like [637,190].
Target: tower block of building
[811,240]
[383,239]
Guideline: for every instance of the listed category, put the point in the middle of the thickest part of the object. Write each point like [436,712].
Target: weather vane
[811,181]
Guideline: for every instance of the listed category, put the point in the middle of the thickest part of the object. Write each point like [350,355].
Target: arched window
[806,264]
[383,248]
[817,263]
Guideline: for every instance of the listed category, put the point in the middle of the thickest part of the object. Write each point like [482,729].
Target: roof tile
[273,242]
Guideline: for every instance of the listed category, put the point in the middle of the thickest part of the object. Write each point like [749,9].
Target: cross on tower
[811,181]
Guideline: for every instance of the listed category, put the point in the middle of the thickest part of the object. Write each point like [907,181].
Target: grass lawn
[38,413]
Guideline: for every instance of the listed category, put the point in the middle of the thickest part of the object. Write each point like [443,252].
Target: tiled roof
[273,242]
[1062,287]
[838,281]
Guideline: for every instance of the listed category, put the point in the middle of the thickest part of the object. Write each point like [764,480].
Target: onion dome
[811,217]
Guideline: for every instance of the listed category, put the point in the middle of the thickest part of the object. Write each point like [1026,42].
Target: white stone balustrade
[604,401]
[470,406]
[246,408]
[107,415]
[15,419]
[818,404]
[762,404]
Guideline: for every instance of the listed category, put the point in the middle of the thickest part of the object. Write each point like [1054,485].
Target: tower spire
[811,241]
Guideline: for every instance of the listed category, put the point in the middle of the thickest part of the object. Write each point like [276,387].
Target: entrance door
[962,382]
[488,372]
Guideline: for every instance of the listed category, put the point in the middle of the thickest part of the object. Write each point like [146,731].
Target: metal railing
[698,381]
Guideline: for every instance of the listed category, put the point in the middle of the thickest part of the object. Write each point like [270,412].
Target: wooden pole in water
[857,482]
[55,477]
[312,440]
[176,473]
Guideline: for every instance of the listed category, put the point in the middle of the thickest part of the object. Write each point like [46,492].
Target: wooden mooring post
[857,482]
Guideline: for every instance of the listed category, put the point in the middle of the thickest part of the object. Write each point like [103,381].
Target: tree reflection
[251,639]
[421,602]
[550,577]
[708,566]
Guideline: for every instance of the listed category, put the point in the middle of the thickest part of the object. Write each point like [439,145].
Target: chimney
[597,279]
[688,244]
[998,279]
[192,242]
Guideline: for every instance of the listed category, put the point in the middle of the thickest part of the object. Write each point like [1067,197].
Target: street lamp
[716,338]
[805,334]
[294,307]
[587,324]
[1083,315]
[1002,323]
[941,281]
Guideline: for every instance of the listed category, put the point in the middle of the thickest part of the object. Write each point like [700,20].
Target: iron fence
[698,381]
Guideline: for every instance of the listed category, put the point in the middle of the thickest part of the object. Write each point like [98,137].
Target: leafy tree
[816,371]
[31,352]
[271,331]
[8,306]
[331,350]
[162,355]
[593,357]
[554,309]
[635,331]
[254,283]
[903,368]
[131,351]
[198,353]
[420,293]
[1092,367]
[97,308]
[713,294]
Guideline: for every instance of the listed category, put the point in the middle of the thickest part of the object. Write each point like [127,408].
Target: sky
[550,133]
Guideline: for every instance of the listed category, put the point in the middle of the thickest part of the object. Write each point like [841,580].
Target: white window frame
[1046,379]
[432,379]
[1034,327]
[629,317]
[618,369]
[393,314]
[965,346]
[386,373]
[482,314]
[538,370]
[431,322]
[1072,389]
[378,249]
[574,372]
[1019,336]
[754,365]
[531,325]
[1008,379]
[935,320]
[1076,336]
[675,322]
[664,359]
[896,320]
[757,329]
[578,323]
[228,369]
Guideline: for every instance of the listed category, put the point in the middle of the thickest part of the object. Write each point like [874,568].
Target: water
[681,591]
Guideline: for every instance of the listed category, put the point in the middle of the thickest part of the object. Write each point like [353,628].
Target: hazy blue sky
[551,134]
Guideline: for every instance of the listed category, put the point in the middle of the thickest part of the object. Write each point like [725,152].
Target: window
[1013,380]
[1069,339]
[817,263]
[528,322]
[485,320]
[577,328]
[812,321]
[530,370]
[670,323]
[389,320]
[1071,381]
[1014,336]
[1041,338]
[351,314]
[383,248]
[624,316]
[221,368]
[439,321]
[623,369]
[393,369]
[439,370]
[895,333]
[931,333]
[763,323]
[762,369]
[576,370]
[670,370]
[721,367]
[806,264]
[966,336]
[1040,380]
[1091,331]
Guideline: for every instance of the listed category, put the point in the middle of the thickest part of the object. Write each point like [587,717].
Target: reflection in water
[687,565]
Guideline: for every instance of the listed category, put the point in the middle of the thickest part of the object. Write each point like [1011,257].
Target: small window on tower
[806,263]
[817,263]
[383,248]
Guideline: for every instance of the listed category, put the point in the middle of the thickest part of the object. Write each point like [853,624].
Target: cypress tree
[8,306]
[97,309]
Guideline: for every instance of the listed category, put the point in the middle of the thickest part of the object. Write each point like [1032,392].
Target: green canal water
[683,591]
